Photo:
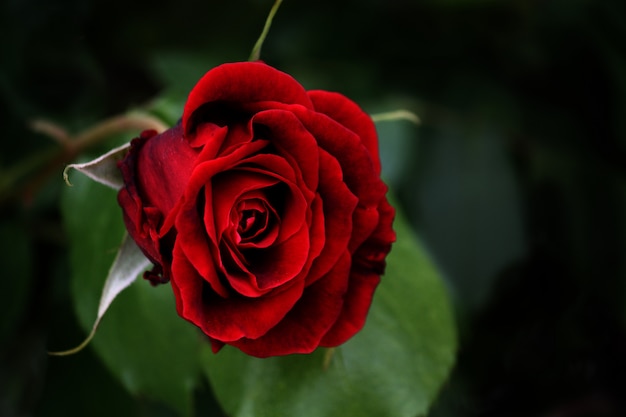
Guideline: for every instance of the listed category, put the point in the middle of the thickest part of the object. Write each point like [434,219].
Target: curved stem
[114,125]
[256,50]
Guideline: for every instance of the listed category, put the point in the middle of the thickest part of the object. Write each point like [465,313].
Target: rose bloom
[265,210]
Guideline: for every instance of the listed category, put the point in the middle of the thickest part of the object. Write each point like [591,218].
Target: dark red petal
[263,230]
[229,188]
[292,141]
[144,208]
[350,115]
[368,263]
[305,325]
[210,138]
[282,262]
[243,82]
[227,319]
[164,165]
[296,200]
[371,254]
[338,207]
[355,308]
[355,160]
[193,243]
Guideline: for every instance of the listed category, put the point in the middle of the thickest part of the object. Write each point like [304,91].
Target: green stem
[256,50]
[114,125]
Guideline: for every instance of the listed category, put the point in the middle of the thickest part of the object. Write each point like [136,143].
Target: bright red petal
[243,82]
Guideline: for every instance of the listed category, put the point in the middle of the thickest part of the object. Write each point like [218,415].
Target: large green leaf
[141,339]
[394,367]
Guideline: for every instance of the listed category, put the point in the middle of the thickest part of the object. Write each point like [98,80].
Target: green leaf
[141,339]
[470,209]
[394,367]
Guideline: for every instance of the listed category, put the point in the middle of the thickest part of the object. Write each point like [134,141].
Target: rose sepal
[103,169]
[128,264]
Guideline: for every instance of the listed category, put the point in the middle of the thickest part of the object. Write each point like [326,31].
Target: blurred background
[515,179]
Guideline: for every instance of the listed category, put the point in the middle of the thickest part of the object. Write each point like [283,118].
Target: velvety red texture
[265,210]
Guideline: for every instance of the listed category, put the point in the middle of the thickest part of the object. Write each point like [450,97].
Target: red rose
[265,209]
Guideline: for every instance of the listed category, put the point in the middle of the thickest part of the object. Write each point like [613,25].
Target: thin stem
[114,125]
[51,130]
[256,50]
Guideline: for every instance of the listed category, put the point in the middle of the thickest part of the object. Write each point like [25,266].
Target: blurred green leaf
[398,147]
[394,367]
[179,71]
[141,339]
[469,207]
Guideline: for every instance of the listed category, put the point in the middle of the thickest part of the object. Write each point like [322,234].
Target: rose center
[251,222]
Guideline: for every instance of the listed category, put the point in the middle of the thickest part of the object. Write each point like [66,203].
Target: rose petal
[338,207]
[296,199]
[292,141]
[371,254]
[258,236]
[357,302]
[163,168]
[354,158]
[280,262]
[368,263]
[345,111]
[228,188]
[228,319]
[242,82]
[193,243]
[310,319]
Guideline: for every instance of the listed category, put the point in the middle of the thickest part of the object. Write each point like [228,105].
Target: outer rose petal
[339,205]
[354,158]
[356,305]
[164,166]
[306,324]
[152,189]
[357,166]
[349,114]
[243,82]
[367,264]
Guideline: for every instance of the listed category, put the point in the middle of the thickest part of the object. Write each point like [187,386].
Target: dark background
[515,180]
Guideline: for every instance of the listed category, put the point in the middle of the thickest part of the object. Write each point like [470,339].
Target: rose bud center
[254,222]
